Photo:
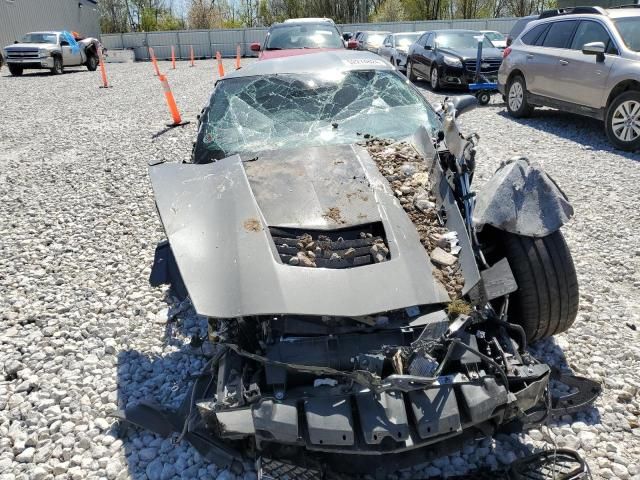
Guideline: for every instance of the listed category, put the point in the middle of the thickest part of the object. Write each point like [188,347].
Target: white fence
[206,43]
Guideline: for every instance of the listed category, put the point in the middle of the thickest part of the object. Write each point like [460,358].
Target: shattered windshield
[304,36]
[250,114]
[40,38]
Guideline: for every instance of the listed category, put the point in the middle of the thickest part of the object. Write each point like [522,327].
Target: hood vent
[344,248]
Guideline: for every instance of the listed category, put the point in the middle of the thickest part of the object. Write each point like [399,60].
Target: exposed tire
[58,68]
[517,104]
[622,122]
[546,302]
[434,79]
[410,74]
[92,62]
[16,70]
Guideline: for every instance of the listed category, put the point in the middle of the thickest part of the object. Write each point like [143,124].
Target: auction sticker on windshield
[364,61]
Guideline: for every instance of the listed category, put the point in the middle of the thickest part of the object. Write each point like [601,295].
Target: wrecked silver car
[367,309]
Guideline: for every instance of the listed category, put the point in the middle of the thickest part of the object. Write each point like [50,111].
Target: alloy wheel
[434,78]
[625,122]
[516,96]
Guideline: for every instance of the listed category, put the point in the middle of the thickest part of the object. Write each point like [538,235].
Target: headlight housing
[452,61]
[44,53]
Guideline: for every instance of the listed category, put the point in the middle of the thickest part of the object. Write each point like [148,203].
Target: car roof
[302,24]
[623,12]
[409,33]
[455,30]
[309,20]
[47,33]
[314,63]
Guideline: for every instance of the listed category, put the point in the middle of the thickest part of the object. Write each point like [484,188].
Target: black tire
[546,302]
[92,62]
[517,87]
[16,70]
[618,131]
[410,75]
[435,84]
[58,68]
[483,98]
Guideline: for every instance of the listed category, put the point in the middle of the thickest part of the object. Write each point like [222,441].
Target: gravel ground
[84,334]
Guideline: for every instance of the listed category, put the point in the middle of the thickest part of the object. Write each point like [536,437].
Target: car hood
[291,52]
[218,219]
[29,46]
[472,53]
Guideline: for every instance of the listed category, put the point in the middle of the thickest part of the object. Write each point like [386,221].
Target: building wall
[18,17]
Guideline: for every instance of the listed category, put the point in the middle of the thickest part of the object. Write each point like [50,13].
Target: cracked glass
[252,114]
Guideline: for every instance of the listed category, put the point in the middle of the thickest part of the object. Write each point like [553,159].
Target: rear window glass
[559,34]
[532,35]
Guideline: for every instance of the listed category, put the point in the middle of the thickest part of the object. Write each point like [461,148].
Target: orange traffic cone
[171,103]
[173,58]
[238,57]
[103,70]
[220,66]
[192,58]
[154,61]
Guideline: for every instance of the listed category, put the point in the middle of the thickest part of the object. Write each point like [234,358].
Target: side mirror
[352,44]
[15,41]
[428,47]
[255,47]
[464,103]
[594,48]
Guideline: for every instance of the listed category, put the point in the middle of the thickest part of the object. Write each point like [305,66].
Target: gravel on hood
[83,333]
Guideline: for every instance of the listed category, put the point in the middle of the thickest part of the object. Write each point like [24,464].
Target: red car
[291,38]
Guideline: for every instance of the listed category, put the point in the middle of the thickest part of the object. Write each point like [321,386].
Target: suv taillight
[506,52]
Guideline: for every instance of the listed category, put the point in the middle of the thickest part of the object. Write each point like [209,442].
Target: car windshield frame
[40,38]
[630,35]
[313,29]
[486,43]
[279,111]
[411,37]
[495,36]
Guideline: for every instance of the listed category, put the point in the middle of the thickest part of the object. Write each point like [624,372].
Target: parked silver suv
[586,61]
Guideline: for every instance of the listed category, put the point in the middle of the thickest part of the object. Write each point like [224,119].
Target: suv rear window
[559,34]
[532,35]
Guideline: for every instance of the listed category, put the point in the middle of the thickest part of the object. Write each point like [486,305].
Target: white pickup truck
[51,50]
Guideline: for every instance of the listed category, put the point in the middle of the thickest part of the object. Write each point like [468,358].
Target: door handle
[564,62]
[529,56]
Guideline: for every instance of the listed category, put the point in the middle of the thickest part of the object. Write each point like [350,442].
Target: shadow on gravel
[586,131]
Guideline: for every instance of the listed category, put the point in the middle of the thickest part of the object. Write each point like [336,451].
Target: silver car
[395,48]
[586,61]
[371,40]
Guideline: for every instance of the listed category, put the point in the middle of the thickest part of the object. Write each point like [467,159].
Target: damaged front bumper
[381,425]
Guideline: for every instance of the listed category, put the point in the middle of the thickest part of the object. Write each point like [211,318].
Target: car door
[70,54]
[430,53]
[581,78]
[420,55]
[542,59]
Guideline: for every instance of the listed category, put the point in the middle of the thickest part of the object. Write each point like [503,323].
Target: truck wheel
[92,62]
[546,302]
[58,68]
[622,122]
[16,70]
